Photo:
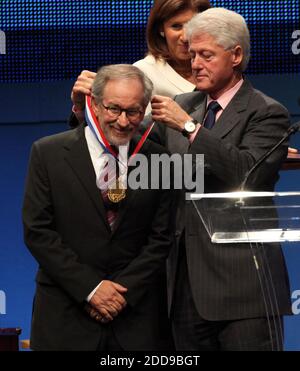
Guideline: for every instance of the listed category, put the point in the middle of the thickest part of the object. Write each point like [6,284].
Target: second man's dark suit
[223,279]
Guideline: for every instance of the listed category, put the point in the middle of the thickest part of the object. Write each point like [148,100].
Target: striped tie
[107,180]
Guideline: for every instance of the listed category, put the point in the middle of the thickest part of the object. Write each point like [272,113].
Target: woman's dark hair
[162,11]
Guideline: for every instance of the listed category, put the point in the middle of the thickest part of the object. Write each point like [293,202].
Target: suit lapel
[226,122]
[78,157]
[196,107]
[176,142]
[230,117]
[198,110]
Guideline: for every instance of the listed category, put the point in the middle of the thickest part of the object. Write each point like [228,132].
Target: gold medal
[117,192]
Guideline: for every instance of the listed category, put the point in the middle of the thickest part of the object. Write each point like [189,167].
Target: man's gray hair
[228,28]
[121,72]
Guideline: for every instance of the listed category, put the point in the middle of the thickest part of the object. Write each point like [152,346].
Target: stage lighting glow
[56,39]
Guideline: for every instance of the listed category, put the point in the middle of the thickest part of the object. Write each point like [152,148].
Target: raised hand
[81,88]
[167,111]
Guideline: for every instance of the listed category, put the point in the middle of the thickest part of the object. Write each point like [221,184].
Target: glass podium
[259,219]
[243,217]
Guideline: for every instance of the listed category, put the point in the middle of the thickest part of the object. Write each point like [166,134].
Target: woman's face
[174,35]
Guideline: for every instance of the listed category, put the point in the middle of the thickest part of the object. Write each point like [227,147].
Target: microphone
[291,130]
[295,127]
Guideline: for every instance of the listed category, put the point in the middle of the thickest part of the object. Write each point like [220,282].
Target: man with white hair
[215,296]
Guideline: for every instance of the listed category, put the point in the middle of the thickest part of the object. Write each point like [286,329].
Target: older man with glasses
[101,251]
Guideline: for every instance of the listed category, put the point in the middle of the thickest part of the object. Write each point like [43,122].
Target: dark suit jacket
[67,232]
[223,277]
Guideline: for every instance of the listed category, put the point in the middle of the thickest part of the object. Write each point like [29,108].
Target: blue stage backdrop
[44,44]
[50,40]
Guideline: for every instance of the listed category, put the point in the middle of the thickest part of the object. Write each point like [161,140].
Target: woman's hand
[81,88]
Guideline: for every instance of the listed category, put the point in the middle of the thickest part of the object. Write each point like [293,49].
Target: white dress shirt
[166,81]
[98,160]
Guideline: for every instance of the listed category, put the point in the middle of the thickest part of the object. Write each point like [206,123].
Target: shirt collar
[93,144]
[226,97]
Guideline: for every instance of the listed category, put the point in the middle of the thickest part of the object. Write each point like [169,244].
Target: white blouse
[166,81]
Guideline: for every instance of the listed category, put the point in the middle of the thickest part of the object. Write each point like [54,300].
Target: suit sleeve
[73,121]
[150,264]
[158,132]
[54,256]
[229,159]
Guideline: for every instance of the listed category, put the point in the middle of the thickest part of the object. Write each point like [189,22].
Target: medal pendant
[117,193]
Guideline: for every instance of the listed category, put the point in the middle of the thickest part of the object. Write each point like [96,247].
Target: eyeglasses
[116,111]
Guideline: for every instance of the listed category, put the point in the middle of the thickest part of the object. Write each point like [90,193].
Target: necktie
[211,112]
[106,181]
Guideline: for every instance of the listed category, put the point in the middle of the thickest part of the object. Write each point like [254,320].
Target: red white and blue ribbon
[94,125]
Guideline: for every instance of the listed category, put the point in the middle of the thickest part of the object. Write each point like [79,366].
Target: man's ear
[237,56]
[94,105]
